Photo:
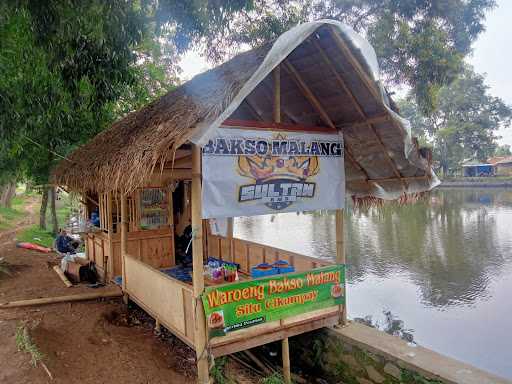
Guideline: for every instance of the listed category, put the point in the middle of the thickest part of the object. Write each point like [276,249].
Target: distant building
[504,167]
[474,168]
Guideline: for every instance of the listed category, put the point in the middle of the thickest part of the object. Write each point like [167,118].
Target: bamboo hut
[144,176]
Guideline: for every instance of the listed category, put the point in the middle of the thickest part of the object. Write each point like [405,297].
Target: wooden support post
[124,241]
[285,351]
[285,348]
[62,276]
[277,94]
[200,341]
[230,238]
[109,272]
[340,257]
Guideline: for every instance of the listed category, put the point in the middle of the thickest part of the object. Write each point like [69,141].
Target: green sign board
[244,304]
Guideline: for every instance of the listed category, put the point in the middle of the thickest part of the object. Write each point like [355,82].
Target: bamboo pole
[340,257]
[277,94]
[285,349]
[61,299]
[197,273]
[62,276]
[124,242]
[375,93]
[109,272]
[229,236]
[315,103]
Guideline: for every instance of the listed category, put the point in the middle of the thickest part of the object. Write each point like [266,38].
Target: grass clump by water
[218,372]
[275,378]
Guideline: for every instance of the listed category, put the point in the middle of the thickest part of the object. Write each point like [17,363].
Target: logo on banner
[278,181]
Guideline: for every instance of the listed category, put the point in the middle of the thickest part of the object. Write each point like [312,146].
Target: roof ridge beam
[306,92]
[369,84]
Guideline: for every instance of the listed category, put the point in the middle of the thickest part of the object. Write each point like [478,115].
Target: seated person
[95,219]
[184,248]
[66,244]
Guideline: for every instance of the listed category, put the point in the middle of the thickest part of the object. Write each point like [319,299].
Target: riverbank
[477,182]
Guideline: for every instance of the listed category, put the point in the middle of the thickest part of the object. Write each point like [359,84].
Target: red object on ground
[34,247]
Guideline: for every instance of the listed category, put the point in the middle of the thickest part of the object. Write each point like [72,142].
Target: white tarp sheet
[281,48]
[248,172]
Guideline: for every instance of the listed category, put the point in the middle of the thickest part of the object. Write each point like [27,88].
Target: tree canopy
[419,43]
[69,68]
[465,124]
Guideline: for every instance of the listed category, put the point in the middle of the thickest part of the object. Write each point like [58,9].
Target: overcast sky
[492,55]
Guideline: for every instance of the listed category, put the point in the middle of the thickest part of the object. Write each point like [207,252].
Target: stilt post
[197,274]
[109,273]
[285,351]
[230,238]
[124,242]
[285,348]
[340,257]
[277,94]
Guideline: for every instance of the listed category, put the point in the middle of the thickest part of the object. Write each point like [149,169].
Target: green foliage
[464,125]
[503,150]
[69,69]
[9,216]
[46,238]
[24,343]
[409,377]
[275,378]
[419,43]
[34,234]
[217,372]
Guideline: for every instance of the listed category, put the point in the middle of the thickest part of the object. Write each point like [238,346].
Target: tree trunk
[8,191]
[29,186]
[42,211]
[53,211]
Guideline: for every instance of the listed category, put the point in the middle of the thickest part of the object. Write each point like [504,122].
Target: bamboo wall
[167,300]
[248,254]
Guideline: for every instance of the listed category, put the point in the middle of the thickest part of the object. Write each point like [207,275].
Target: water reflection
[435,264]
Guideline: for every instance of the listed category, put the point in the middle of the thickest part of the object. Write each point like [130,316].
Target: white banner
[247,173]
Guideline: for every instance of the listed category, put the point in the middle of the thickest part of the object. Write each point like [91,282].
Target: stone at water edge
[393,370]
[374,375]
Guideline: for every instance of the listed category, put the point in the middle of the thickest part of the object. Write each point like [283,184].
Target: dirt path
[26,221]
[81,342]
[87,342]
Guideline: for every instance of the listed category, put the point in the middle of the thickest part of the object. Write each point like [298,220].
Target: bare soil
[82,342]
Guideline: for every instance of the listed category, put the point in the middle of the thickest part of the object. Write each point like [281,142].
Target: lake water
[438,272]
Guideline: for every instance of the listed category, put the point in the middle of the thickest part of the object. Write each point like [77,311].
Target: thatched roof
[329,76]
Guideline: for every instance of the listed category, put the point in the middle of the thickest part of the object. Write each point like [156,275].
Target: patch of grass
[34,234]
[63,210]
[9,216]
[275,378]
[24,343]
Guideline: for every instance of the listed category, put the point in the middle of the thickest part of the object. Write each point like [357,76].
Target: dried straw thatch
[326,79]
